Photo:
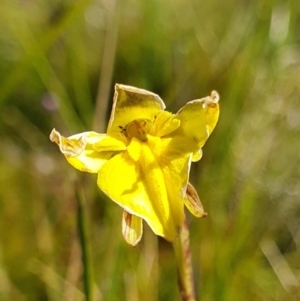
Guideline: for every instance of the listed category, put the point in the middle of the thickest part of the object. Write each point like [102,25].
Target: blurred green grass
[59,61]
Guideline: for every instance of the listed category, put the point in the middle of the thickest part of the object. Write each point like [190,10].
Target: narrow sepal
[193,203]
[132,228]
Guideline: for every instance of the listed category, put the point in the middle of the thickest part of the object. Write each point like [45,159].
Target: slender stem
[85,254]
[184,265]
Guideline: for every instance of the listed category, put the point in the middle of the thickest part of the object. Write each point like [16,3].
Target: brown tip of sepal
[193,202]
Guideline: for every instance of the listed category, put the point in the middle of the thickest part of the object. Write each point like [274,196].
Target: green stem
[85,254]
[184,265]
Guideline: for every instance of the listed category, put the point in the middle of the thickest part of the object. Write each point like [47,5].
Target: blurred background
[59,61]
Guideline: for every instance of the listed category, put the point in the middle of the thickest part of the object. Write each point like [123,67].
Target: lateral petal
[115,142]
[79,150]
[198,119]
[132,228]
[131,103]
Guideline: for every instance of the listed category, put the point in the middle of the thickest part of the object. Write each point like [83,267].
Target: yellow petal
[198,119]
[193,203]
[197,155]
[132,228]
[131,103]
[79,150]
[138,185]
[116,142]
[175,166]
[164,124]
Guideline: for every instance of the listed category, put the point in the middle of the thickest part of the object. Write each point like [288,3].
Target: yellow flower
[143,160]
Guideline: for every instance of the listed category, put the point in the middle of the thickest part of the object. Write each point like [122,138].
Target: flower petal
[198,119]
[79,150]
[135,180]
[132,228]
[175,166]
[164,124]
[116,142]
[197,155]
[131,103]
[193,203]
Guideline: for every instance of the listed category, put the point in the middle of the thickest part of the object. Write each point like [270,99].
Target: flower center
[138,128]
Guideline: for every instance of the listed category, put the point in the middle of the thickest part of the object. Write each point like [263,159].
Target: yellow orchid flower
[143,160]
